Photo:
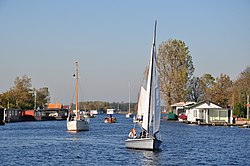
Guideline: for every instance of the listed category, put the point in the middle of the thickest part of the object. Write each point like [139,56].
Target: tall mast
[150,83]
[76,90]
[129,98]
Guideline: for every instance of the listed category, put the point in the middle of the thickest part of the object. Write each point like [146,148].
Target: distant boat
[172,116]
[245,126]
[110,118]
[129,114]
[89,114]
[151,113]
[74,121]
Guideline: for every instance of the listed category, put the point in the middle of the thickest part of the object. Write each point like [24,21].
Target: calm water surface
[49,143]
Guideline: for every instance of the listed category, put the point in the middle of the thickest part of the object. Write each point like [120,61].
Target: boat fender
[225,124]
[213,124]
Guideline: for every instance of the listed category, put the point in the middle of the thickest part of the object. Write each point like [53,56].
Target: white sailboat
[150,108]
[129,114]
[74,121]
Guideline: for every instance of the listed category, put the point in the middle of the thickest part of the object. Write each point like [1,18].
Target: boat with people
[149,135]
[75,122]
[110,118]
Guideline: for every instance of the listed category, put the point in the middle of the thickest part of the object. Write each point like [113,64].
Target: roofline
[201,102]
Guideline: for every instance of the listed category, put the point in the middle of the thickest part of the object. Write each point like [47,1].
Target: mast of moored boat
[77,91]
[129,99]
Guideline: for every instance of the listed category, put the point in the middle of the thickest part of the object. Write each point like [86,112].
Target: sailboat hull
[129,115]
[143,143]
[77,125]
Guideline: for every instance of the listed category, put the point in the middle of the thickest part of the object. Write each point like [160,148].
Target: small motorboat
[245,126]
[110,119]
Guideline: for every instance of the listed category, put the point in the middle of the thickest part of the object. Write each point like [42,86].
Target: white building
[209,113]
[179,108]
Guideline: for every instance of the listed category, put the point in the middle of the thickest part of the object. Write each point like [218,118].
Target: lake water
[49,143]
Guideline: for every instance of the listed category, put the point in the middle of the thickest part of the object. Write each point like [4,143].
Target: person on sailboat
[132,133]
[143,134]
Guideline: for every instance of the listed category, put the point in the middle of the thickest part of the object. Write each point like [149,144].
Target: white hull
[143,143]
[129,115]
[77,125]
[137,120]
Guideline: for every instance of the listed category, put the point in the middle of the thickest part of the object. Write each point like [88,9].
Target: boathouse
[179,108]
[13,115]
[207,112]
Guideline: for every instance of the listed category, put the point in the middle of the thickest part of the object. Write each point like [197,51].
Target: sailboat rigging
[129,114]
[150,106]
[74,121]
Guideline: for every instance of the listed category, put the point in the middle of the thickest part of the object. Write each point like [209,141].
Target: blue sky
[112,39]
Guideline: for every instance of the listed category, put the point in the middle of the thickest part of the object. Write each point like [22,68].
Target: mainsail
[151,108]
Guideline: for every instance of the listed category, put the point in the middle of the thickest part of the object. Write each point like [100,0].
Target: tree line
[103,106]
[175,67]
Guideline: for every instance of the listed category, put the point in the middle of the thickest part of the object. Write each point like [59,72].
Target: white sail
[149,104]
[146,110]
[141,101]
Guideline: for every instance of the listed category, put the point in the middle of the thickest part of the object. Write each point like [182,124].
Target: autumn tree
[241,88]
[20,92]
[206,84]
[222,90]
[175,68]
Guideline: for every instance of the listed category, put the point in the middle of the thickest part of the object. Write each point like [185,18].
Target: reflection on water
[49,143]
[151,158]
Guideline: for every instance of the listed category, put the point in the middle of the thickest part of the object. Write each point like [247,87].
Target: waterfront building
[207,112]
[2,116]
[179,108]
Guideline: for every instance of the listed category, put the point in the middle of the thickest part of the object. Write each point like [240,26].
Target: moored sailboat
[129,114]
[150,108]
[74,121]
